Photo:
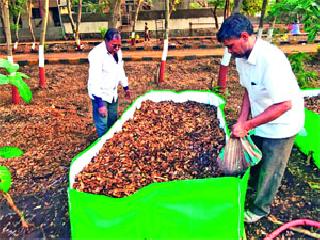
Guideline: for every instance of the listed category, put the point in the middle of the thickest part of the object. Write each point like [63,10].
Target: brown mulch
[58,124]
[140,154]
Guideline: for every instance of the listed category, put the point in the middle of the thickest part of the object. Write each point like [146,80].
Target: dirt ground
[58,124]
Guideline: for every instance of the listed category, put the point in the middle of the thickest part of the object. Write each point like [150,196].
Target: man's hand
[240,129]
[103,111]
[127,94]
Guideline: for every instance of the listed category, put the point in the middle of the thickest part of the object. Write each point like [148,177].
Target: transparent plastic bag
[238,155]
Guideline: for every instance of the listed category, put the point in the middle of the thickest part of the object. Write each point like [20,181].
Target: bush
[304,77]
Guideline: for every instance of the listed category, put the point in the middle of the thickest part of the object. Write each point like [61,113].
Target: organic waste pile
[163,142]
[313,104]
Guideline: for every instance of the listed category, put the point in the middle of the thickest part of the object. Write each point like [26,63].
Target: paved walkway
[79,57]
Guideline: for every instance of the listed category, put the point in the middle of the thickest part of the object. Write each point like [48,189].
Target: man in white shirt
[105,73]
[272,97]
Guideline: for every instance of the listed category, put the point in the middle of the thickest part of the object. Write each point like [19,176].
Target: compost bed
[163,142]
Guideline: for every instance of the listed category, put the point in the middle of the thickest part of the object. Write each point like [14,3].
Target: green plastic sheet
[187,209]
[308,140]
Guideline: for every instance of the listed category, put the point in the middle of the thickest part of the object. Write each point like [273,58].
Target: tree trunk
[29,9]
[42,81]
[165,42]
[4,5]
[6,25]
[15,46]
[115,13]
[77,35]
[263,11]
[214,13]
[271,28]
[226,13]
[225,60]
[237,6]
[73,27]
[133,34]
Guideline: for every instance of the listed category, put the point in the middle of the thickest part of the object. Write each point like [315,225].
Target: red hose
[291,224]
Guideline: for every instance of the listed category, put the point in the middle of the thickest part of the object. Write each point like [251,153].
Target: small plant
[5,183]
[303,76]
[103,31]
[15,78]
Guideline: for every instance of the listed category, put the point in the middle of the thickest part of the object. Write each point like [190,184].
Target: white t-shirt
[105,74]
[268,78]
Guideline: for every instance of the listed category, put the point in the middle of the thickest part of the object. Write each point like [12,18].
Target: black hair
[233,26]
[111,33]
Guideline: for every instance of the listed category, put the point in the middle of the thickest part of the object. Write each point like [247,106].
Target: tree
[237,6]
[216,4]
[75,26]
[29,10]
[4,5]
[225,60]
[115,14]
[170,6]
[263,11]
[45,11]
[309,10]
[77,35]
[251,7]
[226,13]
[133,34]
[16,7]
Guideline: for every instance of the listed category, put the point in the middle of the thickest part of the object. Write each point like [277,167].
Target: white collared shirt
[268,78]
[105,74]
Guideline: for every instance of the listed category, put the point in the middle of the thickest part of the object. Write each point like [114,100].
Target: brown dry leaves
[163,142]
[313,104]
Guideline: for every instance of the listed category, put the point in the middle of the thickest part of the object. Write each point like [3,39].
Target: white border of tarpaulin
[204,97]
[310,92]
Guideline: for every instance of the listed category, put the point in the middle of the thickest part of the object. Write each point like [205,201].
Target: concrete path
[79,57]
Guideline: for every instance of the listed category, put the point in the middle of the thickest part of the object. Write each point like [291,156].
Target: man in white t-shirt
[272,106]
[105,73]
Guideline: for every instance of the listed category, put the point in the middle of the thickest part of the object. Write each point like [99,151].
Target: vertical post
[165,44]
[4,7]
[16,99]
[42,77]
[42,81]
[223,71]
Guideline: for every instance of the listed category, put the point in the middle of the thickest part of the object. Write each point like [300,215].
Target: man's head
[113,40]
[235,33]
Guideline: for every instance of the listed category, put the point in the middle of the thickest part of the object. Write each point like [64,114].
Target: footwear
[251,217]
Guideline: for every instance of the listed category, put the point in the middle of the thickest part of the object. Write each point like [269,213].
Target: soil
[58,124]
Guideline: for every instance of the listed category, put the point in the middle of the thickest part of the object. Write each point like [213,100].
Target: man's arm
[245,108]
[269,114]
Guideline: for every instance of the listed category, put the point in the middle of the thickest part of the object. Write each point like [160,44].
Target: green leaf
[5,179]
[10,152]
[10,67]
[23,88]
[3,79]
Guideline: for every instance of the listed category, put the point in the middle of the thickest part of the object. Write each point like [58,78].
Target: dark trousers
[104,123]
[267,175]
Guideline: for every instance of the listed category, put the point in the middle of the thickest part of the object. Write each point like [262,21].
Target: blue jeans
[104,123]
[269,172]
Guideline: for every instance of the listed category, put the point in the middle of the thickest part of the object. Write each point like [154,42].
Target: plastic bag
[238,155]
